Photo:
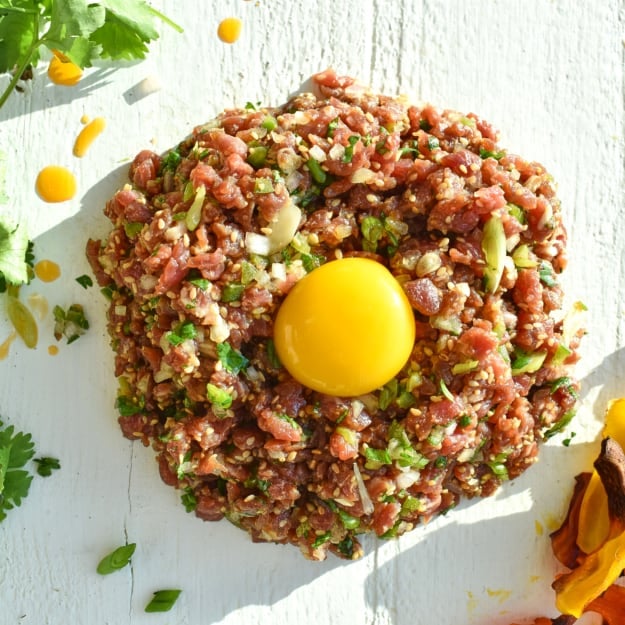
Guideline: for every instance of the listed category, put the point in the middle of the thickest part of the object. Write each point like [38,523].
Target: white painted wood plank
[549,74]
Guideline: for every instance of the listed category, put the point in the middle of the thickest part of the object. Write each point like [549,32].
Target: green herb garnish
[117,559]
[163,600]
[219,397]
[232,360]
[182,332]
[46,465]
[85,281]
[16,449]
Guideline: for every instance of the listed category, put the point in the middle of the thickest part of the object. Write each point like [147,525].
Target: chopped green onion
[133,228]
[494,248]
[194,214]
[262,186]
[433,143]
[317,173]
[332,127]
[217,396]
[200,283]
[517,212]
[445,391]
[558,426]
[257,156]
[436,435]
[464,421]
[349,149]
[546,273]
[188,192]
[424,124]
[377,456]
[116,560]
[70,323]
[461,368]
[527,362]
[388,394]
[566,383]
[171,160]
[490,154]
[269,123]
[232,292]
[523,257]
[272,355]
[321,540]
[163,600]
[348,435]
[440,462]
[372,230]
[128,406]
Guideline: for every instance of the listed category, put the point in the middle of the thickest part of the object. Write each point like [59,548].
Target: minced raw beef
[472,232]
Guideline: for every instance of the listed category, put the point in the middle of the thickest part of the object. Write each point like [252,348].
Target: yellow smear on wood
[47,270]
[88,135]
[6,345]
[501,594]
[39,304]
[540,530]
[229,29]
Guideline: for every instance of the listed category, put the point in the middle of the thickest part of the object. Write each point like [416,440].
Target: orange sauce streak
[88,135]
[53,350]
[47,270]
[229,29]
[62,71]
[55,184]
[5,346]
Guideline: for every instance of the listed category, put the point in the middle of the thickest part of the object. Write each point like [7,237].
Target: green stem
[24,62]
[165,19]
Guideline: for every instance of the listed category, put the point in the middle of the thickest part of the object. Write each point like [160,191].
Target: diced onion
[317,153]
[362,175]
[367,504]
[257,243]
[278,271]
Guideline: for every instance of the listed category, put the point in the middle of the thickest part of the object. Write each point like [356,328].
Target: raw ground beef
[472,232]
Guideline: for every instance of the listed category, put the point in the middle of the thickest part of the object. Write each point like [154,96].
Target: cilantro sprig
[79,29]
[15,252]
[16,449]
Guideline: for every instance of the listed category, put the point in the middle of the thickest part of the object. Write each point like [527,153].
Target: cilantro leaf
[45,465]
[16,449]
[13,249]
[17,32]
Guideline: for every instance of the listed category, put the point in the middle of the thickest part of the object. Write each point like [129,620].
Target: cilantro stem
[21,67]
[165,19]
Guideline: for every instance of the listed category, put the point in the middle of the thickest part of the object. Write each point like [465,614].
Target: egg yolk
[55,184]
[61,71]
[345,329]
[229,29]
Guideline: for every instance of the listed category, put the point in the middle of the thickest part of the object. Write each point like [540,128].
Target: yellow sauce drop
[62,71]
[47,270]
[88,135]
[55,184]
[85,119]
[229,29]
[53,350]
[4,347]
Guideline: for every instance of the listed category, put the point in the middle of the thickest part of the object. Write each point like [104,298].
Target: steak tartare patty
[201,256]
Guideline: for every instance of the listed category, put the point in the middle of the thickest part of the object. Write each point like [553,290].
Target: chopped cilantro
[219,397]
[46,465]
[182,332]
[232,360]
[349,149]
[85,281]
[14,247]
[16,449]
[188,499]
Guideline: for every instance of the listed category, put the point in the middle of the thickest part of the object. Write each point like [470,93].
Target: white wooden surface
[548,73]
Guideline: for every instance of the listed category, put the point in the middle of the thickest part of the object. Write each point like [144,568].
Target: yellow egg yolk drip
[345,329]
[229,29]
[62,71]
[47,270]
[55,184]
[88,135]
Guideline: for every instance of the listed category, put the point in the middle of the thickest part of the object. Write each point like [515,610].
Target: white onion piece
[257,243]
[284,227]
[367,504]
